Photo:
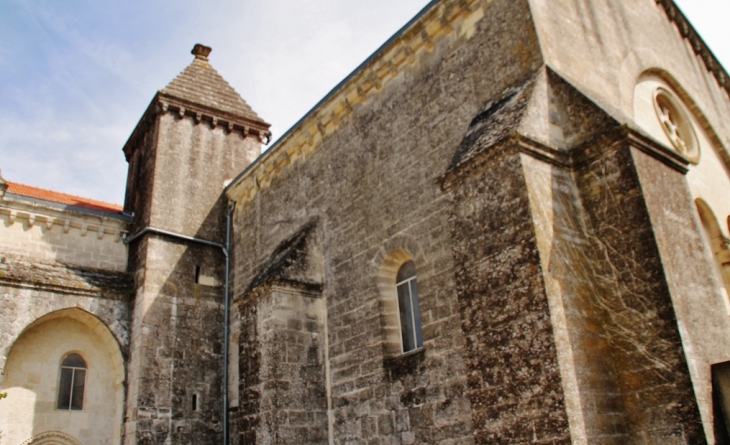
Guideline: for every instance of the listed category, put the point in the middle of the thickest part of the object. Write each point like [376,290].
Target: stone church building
[509,225]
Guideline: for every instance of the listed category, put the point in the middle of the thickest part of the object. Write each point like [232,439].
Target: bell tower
[196,135]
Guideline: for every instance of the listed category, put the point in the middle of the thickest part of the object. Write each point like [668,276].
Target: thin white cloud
[75,76]
[95,68]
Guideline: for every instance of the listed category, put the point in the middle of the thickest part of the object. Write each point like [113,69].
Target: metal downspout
[226,317]
[150,229]
[226,251]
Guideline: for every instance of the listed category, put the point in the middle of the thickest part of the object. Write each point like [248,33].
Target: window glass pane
[406,317]
[77,398]
[74,361]
[406,271]
[64,389]
[416,314]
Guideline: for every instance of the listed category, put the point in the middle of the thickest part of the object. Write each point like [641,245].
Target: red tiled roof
[61,198]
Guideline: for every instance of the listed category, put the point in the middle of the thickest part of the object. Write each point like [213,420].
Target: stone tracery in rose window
[676,124]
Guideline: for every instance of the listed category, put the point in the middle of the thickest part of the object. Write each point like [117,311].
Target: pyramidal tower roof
[201,84]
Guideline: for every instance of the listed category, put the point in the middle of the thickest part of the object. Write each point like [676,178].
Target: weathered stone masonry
[513,150]
[180,156]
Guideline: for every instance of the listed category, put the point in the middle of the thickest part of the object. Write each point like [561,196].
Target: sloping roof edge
[713,65]
[50,196]
[202,84]
[456,15]
[672,11]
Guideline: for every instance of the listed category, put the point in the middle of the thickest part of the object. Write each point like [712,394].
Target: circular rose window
[676,124]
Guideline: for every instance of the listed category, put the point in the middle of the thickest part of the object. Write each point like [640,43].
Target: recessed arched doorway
[64,377]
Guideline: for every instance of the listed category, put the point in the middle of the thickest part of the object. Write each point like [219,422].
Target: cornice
[289,287]
[164,103]
[698,45]
[60,289]
[623,136]
[436,21]
[214,118]
[23,272]
[46,217]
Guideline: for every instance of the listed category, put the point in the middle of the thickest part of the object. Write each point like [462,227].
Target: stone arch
[717,242]
[109,313]
[643,62]
[711,226]
[398,242]
[388,299]
[52,438]
[688,101]
[32,373]
[637,62]
[90,320]
[708,175]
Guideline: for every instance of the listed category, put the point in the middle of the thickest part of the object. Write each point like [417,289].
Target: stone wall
[690,270]
[75,246]
[606,57]
[372,185]
[178,168]
[616,329]
[193,164]
[282,348]
[635,306]
[52,232]
[31,289]
[32,381]
[50,309]
[515,385]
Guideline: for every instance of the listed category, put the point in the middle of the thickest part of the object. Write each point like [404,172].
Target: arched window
[72,382]
[410,314]
[718,245]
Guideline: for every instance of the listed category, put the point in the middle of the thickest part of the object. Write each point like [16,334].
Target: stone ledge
[21,272]
[261,291]
[405,364]
[622,136]
[47,216]
[47,223]
[163,103]
[214,118]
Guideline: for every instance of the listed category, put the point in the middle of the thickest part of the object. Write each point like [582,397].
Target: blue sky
[76,75]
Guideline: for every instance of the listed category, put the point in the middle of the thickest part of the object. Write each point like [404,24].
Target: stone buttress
[562,289]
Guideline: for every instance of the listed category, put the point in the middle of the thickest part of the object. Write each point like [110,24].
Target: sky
[76,75]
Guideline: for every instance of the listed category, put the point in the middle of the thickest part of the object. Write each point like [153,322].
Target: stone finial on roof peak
[201,51]
[201,84]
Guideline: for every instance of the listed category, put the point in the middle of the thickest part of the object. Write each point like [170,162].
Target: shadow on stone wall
[180,392]
[627,351]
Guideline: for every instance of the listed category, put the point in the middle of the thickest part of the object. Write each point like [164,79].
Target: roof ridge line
[201,83]
[12,188]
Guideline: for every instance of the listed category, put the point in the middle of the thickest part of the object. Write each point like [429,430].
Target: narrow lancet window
[72,382]
[410,313]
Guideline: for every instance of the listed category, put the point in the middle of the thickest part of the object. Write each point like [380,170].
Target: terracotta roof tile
[200,83]
[61,198]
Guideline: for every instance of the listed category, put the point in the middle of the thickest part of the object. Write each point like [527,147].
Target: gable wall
[617,48]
